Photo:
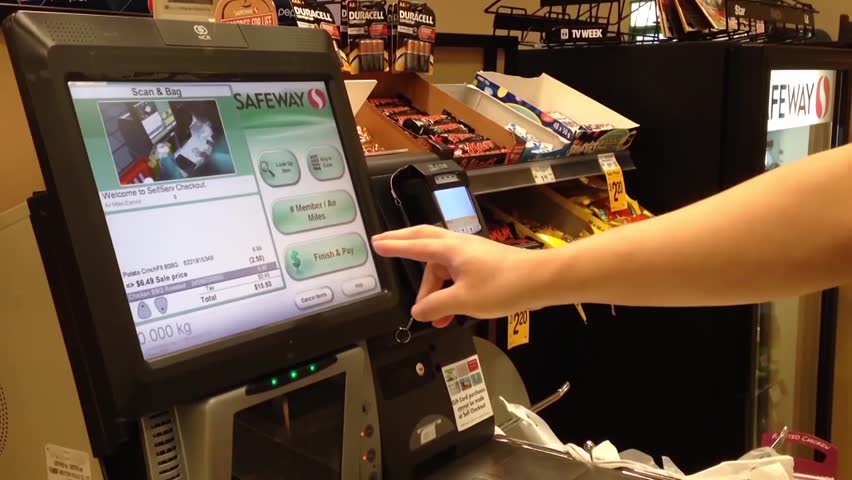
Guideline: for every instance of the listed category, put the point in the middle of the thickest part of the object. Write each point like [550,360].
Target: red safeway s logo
[317,98]
[823,97]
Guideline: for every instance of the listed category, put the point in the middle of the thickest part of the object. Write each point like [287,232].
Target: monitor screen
[458,210]
[230,205]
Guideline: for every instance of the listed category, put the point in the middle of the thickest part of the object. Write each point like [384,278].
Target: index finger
[428,250]
[413,233]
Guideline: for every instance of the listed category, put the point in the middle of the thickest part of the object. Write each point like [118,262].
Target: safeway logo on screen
[800,98]
[823,97]
[317,98]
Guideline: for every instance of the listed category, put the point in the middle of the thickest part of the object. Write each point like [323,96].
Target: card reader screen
[458,210]
[229,205]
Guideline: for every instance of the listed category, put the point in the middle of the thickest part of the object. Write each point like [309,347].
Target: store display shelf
[509,177]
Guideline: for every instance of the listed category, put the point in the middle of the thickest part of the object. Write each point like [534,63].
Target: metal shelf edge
[511,177]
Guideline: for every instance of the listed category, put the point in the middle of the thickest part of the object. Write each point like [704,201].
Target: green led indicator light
[274,382]
[294,374]
[313,368]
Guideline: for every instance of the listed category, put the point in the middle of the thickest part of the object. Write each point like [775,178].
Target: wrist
[544,277]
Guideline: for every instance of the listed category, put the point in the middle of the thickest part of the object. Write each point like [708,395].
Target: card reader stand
[412,399]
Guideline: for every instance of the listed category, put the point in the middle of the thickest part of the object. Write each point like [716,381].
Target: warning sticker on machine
[66,464]
[468,394]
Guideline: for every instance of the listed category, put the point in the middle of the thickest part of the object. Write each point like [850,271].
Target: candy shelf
[509,177]
[506,177]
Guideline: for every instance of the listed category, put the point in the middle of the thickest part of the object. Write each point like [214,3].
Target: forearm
[783,233]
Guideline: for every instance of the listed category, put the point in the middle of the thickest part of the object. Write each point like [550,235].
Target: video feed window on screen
[230,206]
[458,210]
[153,141]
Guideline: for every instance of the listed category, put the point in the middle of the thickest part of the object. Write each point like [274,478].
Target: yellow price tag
[519,329]
[614,181]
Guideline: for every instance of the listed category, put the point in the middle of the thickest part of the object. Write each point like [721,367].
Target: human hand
[490,279]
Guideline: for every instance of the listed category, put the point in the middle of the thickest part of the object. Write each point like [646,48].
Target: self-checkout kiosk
[194,295]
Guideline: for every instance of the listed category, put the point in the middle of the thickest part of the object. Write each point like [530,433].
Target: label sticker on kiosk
[468,394]
[229,205]
[64,463]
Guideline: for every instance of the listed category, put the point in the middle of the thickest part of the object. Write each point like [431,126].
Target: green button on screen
[323,256]
[310,212]
[279,168]
[325,163]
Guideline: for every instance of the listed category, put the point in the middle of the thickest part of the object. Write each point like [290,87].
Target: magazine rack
[559,23]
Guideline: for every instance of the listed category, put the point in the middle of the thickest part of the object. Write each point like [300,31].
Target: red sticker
[473,365]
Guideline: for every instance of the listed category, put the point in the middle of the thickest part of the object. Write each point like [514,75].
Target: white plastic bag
[760,464]
[531,428]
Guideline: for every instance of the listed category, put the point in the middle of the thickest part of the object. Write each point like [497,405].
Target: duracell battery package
[312,14]
[413,37]
[368,33]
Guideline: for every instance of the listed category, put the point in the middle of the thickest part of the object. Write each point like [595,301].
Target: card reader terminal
[437,193]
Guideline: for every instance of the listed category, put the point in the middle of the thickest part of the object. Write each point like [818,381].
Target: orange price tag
[519,329]
[614,181]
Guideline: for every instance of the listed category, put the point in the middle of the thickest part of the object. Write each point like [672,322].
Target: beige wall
[466,16]
[19,172]
[828,18]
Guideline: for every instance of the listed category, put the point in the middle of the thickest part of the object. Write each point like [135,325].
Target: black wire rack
[558,23]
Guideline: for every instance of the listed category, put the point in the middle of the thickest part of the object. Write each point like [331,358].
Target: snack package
[413,30]
[312,14]
[247,12]
[444,134]
[534,144]
[505,232]
[529,231]
[368,35]
[367,143]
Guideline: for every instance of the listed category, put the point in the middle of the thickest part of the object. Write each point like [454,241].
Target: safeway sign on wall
[800,98]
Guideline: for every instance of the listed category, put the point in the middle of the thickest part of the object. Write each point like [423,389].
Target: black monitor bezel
[137,386]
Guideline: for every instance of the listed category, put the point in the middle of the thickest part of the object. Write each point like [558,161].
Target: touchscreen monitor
[230,205]
[458,210]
